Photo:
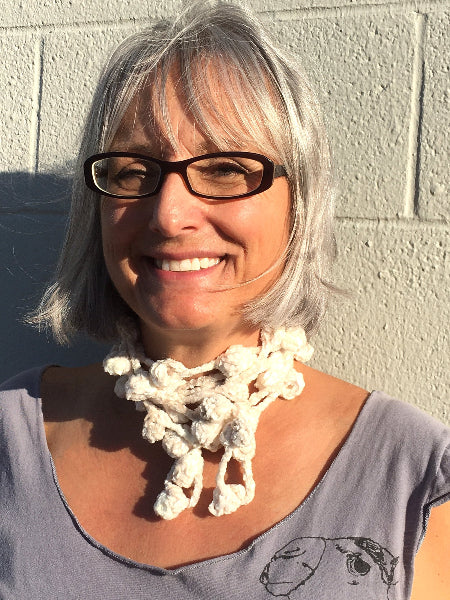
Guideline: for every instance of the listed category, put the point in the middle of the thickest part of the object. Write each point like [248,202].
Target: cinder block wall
[382,72]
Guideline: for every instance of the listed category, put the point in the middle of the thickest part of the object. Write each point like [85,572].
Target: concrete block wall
[381,67]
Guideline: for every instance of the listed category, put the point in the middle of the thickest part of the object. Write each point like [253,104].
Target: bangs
[230,105]
[230,97]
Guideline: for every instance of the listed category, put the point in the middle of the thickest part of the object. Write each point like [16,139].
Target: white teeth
[195,264]
[204,263]
[187,264]
[174,265]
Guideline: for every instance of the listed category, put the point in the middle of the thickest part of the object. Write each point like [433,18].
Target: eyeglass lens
[222,177]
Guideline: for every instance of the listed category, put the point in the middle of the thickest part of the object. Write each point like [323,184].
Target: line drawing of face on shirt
[351,568]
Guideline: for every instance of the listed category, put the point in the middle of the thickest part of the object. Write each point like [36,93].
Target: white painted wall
[382,70]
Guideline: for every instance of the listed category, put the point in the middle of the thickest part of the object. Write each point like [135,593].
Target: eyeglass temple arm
[279,171]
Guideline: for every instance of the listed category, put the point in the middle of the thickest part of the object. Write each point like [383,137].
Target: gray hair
[272,105]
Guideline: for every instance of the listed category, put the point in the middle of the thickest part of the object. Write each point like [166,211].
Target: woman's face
[236,240]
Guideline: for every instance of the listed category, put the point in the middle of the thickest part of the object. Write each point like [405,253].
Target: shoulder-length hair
[270,104]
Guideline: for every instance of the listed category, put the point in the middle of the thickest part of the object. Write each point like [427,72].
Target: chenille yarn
[208,407]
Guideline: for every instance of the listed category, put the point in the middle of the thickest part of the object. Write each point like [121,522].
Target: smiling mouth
[187,264]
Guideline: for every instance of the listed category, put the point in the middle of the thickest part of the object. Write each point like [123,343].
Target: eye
[134,177]
[130,172]
[356,565]
[224,169]
[225,176]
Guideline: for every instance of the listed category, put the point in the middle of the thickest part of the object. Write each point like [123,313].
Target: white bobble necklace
[208,407]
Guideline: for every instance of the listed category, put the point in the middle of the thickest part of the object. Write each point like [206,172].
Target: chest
[112,495]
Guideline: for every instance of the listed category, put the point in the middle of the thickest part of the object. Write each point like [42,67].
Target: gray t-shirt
[353,538]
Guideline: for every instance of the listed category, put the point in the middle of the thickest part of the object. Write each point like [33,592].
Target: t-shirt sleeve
[440,491]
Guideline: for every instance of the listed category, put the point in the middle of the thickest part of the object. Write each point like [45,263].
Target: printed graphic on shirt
[352,568]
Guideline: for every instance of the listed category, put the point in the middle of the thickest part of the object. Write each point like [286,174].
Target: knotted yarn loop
[208,407]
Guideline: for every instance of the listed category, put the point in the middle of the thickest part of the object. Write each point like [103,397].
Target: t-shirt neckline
[357,425]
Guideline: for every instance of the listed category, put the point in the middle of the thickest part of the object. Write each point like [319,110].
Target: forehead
[159,124]
[211,106]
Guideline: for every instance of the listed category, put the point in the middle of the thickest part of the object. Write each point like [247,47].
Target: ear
[293,565]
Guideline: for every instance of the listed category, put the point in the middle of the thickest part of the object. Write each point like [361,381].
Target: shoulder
[68,391]
[408,426]
[334,400]
[412,446]
[26,383]
[381,412]
[80,379]
[396,431]
[406,438]
[20,415]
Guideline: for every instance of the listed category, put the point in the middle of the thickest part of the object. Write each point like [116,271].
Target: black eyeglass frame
[271,171]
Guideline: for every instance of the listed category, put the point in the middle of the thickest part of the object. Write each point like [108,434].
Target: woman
[199,242]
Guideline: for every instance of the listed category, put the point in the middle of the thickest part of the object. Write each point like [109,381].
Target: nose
[175,211]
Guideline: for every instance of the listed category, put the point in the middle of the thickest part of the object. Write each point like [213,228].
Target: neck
[195,347]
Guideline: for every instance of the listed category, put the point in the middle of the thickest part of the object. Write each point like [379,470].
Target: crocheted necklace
[208,407]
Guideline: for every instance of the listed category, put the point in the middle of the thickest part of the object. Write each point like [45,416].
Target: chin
[188,317]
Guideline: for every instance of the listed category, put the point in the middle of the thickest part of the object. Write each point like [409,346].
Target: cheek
[117,233]
[262,224]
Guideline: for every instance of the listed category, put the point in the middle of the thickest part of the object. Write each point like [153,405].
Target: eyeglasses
[217,176]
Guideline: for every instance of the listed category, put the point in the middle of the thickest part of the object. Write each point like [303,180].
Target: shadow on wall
[33,211]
